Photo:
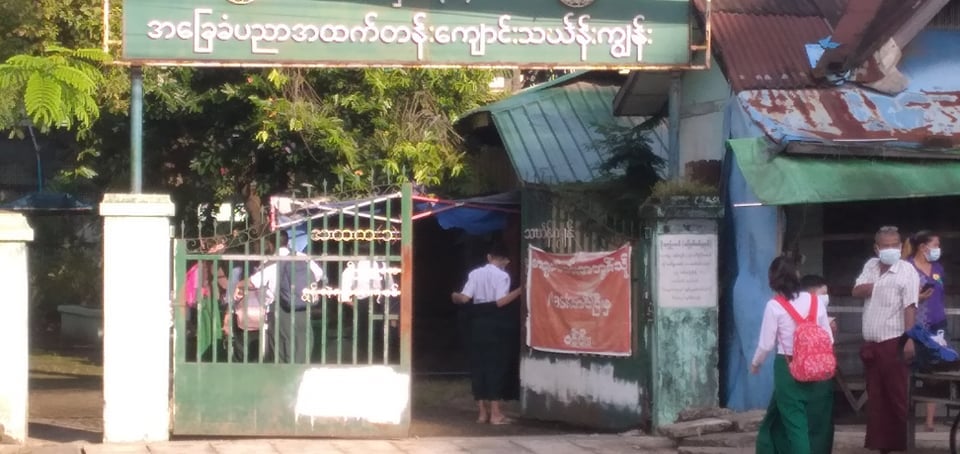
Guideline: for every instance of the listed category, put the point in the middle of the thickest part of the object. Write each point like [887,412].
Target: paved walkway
[567,444]
[849,440]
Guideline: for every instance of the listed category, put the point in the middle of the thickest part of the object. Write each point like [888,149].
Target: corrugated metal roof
[892,15]
[948,18]
[928,119]
[767,51]
[761,43]
[551,131]
[781,7]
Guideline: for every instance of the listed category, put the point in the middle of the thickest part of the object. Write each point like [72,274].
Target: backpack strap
[812,316]
[787,306]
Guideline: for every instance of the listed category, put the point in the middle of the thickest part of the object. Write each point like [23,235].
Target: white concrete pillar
[15,233]
[136,317]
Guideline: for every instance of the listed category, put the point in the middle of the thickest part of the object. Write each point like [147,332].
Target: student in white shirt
[799,419]
[293,332]
[487,291]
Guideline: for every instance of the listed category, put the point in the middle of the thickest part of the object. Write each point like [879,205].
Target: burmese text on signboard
[579,303]
[494,33]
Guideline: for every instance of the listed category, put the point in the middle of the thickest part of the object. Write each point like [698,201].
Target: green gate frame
[214,394]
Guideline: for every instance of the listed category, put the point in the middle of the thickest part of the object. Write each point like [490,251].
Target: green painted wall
[686,374]
[685,354]
[609,393]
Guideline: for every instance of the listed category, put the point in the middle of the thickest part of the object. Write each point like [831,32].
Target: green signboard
[474,33]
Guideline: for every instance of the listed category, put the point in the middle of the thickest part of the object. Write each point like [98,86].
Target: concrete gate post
[15,233]
[136,317]
[681,235]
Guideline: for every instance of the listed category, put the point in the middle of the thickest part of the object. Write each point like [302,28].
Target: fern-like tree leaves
[57,89]
[43,99]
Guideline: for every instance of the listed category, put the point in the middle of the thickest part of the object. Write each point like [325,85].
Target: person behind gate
[488,288]
[890,288]
[284,280]
[799,418]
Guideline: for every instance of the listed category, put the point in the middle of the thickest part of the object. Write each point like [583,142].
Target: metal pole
[106,26]
[136,129]
[673,119]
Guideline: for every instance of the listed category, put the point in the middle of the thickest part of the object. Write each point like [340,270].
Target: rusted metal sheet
[948,18]
[850,30]
[929,119]
[767,51]
[890,18]
[762,42]
[774,7]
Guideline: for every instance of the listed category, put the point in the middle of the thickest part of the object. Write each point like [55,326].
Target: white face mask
[933,255]
[889,256]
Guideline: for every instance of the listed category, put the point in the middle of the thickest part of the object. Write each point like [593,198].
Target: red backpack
[813,358]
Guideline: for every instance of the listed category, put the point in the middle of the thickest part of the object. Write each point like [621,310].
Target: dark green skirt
[799,419]
[494,351]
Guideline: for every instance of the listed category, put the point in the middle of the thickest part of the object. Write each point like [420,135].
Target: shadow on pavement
[55,433]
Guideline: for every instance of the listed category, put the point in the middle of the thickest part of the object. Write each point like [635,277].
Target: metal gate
[340,366]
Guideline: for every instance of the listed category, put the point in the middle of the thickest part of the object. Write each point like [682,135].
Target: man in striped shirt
[890,288]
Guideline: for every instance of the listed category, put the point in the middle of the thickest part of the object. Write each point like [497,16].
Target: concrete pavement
[566,444]
[849,440]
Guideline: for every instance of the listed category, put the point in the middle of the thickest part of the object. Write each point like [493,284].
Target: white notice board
[687,270]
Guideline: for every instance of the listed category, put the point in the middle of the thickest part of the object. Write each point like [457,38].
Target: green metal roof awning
[782,179]
[552,131]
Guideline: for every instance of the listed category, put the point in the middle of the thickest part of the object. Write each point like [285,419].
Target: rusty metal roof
[852,114]
[761,43]
[767,51]
[948,18]
[892,15]
[782,7]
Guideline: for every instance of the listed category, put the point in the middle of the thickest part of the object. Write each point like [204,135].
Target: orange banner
[579,303]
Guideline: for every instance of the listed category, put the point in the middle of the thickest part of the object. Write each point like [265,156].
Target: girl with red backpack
[799,419]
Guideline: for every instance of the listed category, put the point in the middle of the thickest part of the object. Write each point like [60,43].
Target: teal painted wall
[704,86]
[685,354]
[704,98]
[686,374]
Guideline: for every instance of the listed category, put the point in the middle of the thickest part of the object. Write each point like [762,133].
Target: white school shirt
[487,284]
[266,278]
[778,327]
[365,278]
[894,291]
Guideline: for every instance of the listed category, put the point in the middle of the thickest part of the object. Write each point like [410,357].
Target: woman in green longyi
[799,419]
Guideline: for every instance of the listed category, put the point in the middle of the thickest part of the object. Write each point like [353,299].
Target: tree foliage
[234,134]
[58,88]
[274,130]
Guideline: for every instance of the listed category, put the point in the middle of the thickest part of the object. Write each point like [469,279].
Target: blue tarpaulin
[475,221]
[476,216]
[750,244]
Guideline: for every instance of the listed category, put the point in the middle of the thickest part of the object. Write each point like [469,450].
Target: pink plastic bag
[190,286]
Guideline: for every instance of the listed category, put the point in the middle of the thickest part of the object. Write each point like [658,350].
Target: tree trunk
[254,207]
